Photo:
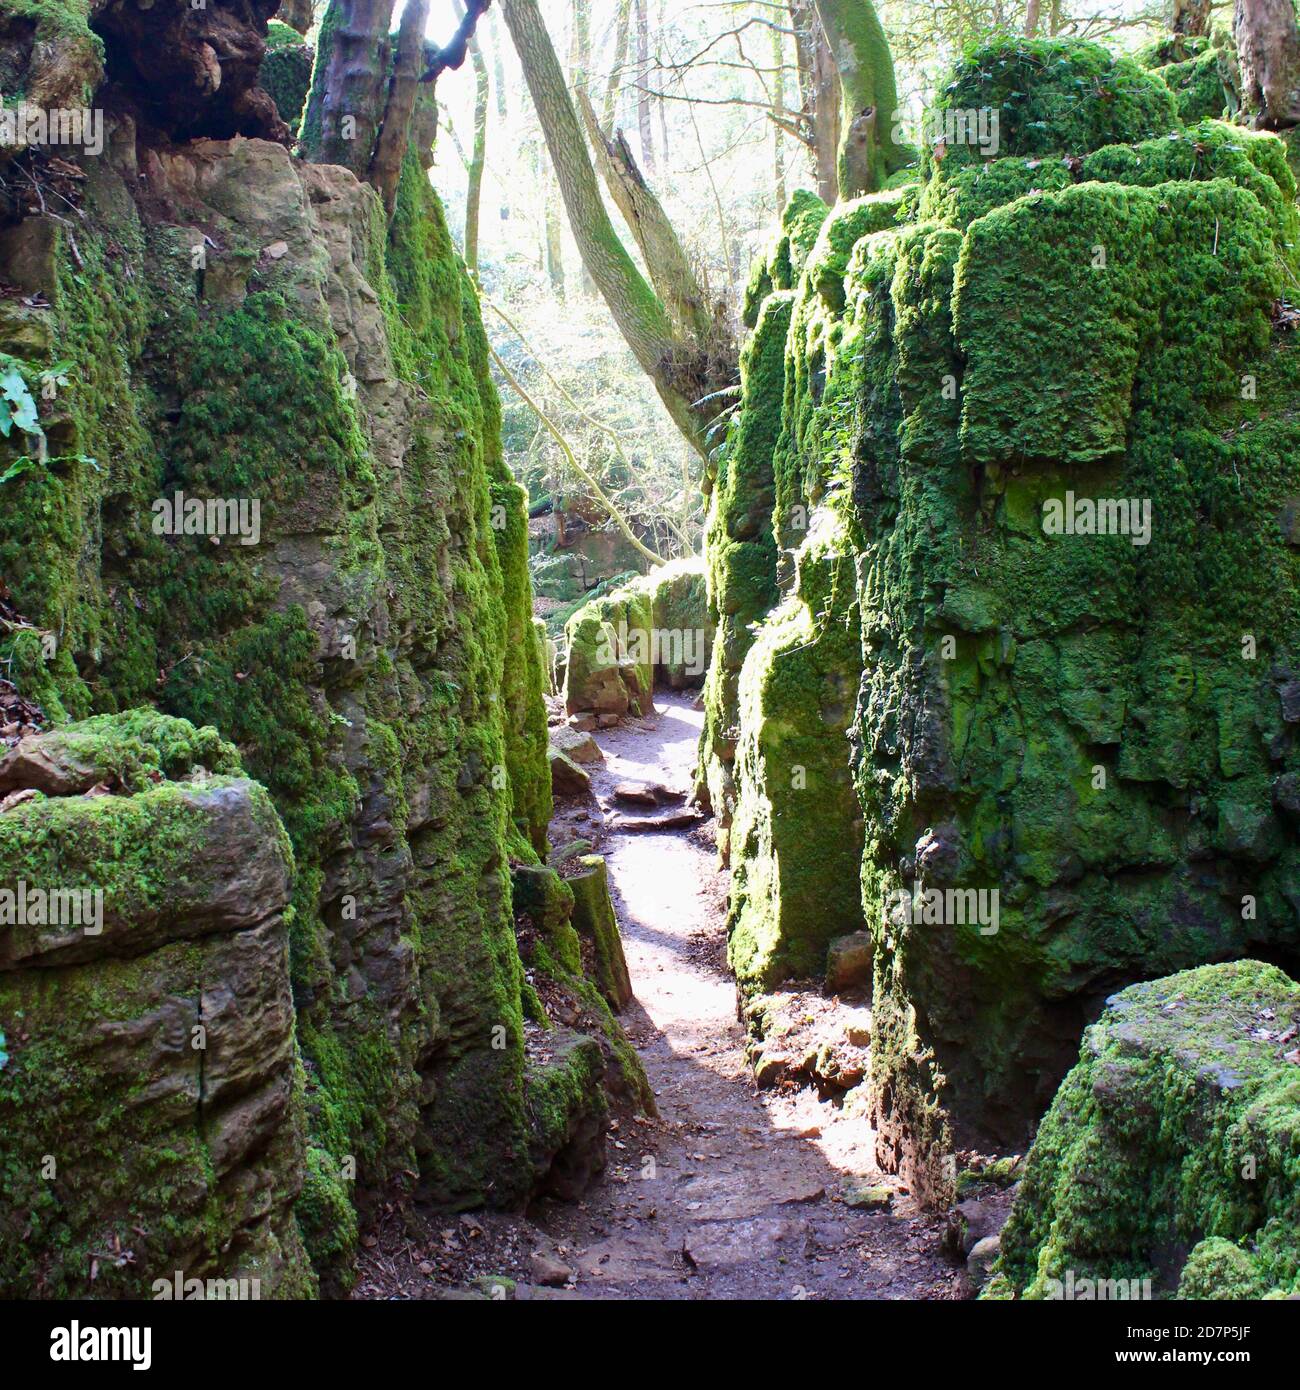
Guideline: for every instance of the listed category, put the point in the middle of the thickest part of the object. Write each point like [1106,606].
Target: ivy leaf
[18,467]
[23,413]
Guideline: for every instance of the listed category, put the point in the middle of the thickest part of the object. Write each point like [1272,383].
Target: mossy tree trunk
[868,154]
[363,94]
[670,268]
[683,369]
[1268,49]
[478,158]
[349,81]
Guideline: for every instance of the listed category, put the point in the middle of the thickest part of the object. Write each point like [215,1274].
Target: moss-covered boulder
[573,956]
[594,668]
[655,628]
[1171,1154]
[681,629]
[151,1098]
[568,1114]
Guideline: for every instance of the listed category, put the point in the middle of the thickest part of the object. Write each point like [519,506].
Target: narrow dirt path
[732,1192]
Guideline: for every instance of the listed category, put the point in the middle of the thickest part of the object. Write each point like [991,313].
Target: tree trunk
[616,70]
[580,42]
[1268,49]
[868,152]
[1190,18]
[819,90]
[1033,15]
[644,123]
[408,65]
[660,102]
[360,116]
[554,250]
[670,269]
[503,102]
[682,372]
[348,86]
[474,190]
[778,104]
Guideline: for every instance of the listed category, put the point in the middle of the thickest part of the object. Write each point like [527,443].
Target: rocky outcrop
[1072,745]
[575,976]
[349,606]
[656,629]
[151,1103]
[1170,1158]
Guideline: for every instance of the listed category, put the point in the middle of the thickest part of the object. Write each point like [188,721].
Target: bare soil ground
[731,1192]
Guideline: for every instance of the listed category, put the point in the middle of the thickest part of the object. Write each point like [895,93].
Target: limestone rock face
[1172,1150]
[150,1117]
[1068,649]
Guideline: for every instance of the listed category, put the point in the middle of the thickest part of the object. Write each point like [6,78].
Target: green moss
[795,839]
[1056,96]
[66,61]
[1201,85]
[327,1219]
[780,267]
[117,1131]
[1124,258]
[372,660]
[286,72]
[1176,1130]
[1219,1269]
[595,923]
[1067,719]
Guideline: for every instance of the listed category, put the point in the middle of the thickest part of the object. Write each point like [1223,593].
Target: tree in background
[363,90]
[688,355]
[478,159]
[868,96]
[1268,50]
[819,91]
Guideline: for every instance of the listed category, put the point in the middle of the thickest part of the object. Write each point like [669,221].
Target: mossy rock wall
[1171,1154]
[779,699]
[371,656]
[151,1095]
[796,842]
[1100,730]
